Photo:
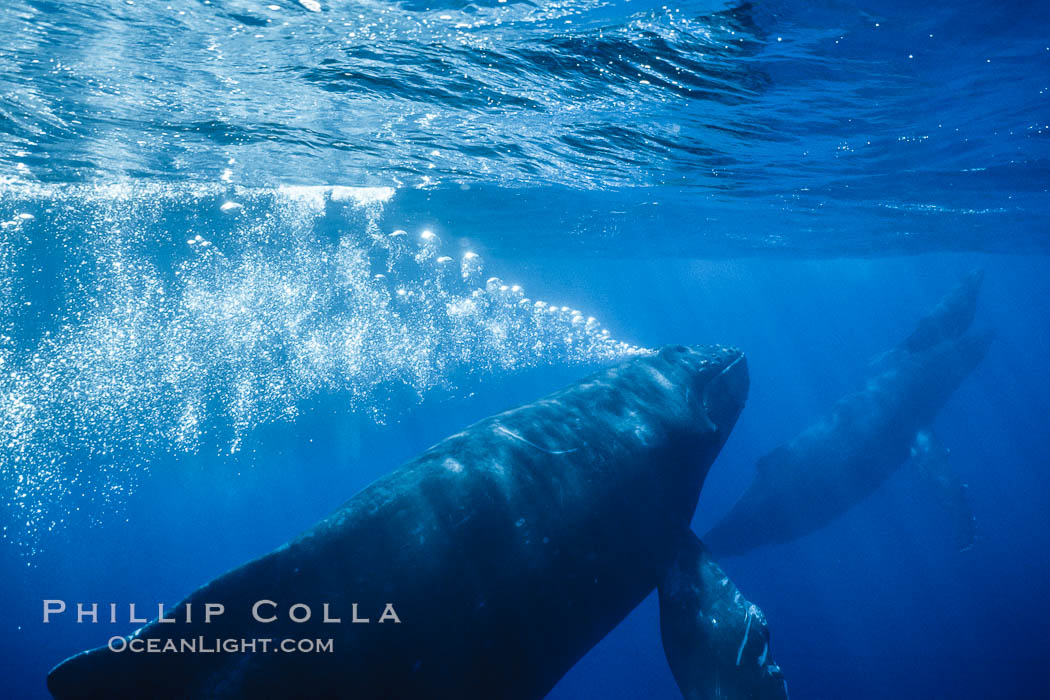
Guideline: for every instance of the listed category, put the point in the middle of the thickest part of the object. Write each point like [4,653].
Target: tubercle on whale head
[717,381]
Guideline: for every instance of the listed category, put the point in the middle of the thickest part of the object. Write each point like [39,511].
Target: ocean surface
[254,255]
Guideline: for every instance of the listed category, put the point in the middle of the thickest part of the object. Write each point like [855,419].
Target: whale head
[714,380]
[681,404]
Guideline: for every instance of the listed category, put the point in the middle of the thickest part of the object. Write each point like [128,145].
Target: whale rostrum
[505,552]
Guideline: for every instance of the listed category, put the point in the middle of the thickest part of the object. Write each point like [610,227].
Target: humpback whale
[498,558]
[831,466]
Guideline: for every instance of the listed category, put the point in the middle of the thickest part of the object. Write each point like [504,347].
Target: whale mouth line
[735,392]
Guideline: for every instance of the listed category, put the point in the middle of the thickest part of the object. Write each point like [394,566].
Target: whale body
[845,456]
[507,551]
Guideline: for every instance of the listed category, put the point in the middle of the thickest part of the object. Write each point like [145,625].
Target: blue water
[210,336]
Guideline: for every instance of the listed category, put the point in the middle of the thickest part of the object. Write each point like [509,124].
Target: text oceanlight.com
[203,645]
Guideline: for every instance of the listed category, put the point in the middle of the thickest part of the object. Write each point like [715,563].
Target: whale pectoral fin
[716,641]
[932,460]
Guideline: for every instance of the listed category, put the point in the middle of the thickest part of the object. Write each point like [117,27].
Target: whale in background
[507,550]
[842,458]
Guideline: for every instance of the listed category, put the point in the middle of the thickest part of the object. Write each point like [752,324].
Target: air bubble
[153,357]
